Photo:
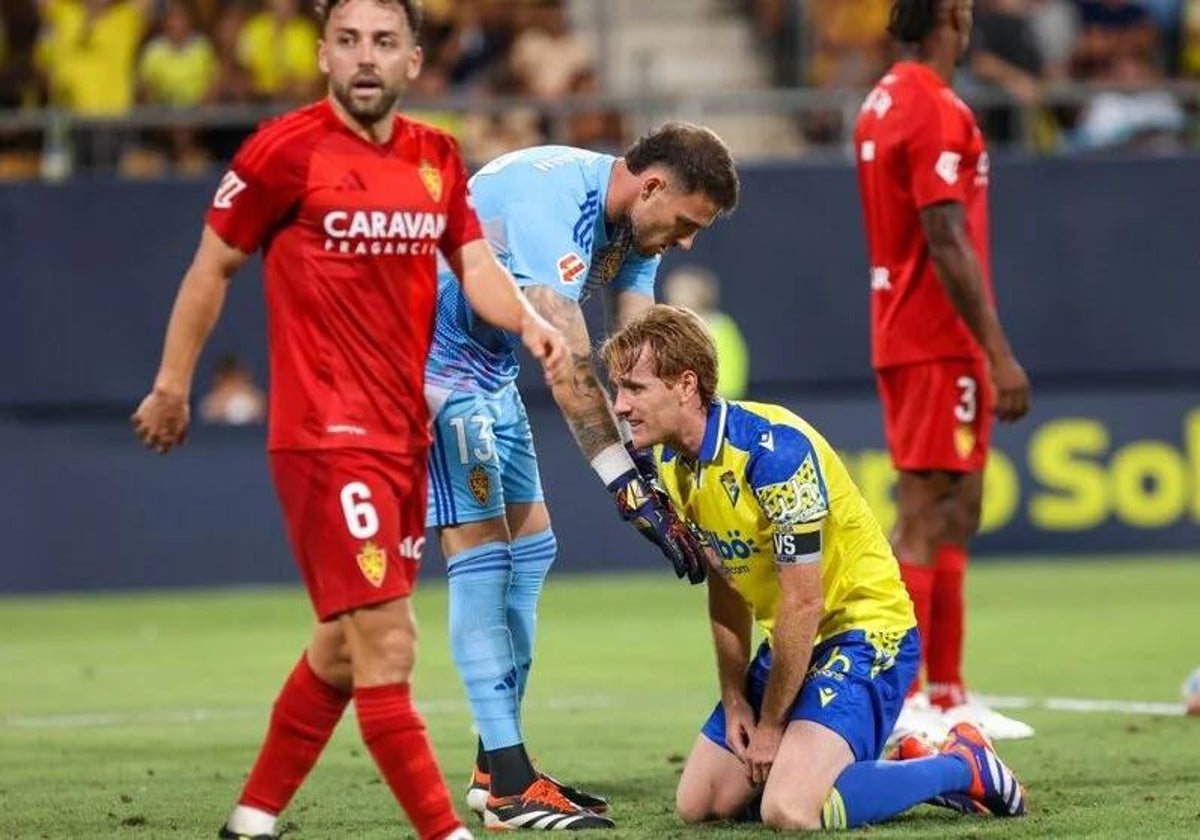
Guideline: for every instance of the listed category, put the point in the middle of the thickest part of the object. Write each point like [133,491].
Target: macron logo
[947,167]
[767,441]
[227,190]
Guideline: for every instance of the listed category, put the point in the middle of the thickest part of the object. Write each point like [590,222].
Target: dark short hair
[413,11]
[912,20]
[695,154]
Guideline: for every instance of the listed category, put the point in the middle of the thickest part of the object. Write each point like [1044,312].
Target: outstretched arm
[161,421]
[577,390]
[494,294]
[589,414]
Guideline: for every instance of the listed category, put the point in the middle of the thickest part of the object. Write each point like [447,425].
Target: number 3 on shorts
[966,407]
[362,520]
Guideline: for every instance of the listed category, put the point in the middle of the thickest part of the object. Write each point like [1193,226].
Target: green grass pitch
[137,715]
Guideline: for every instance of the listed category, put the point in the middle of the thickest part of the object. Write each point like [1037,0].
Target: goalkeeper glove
[649,509]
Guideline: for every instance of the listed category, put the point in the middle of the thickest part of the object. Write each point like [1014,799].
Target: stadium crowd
[1020,50]
[102,58]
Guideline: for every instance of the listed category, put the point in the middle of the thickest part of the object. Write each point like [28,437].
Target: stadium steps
[684,47]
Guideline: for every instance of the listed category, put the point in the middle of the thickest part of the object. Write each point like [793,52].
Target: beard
[370,111]
[630,237]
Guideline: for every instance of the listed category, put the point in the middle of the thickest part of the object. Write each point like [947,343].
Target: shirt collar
[714,431]
[923,73]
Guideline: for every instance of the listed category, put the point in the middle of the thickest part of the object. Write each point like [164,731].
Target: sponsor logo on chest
[376,232]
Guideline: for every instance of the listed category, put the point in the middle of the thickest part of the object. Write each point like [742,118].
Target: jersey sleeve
[637,274]
[541,248]
[936,146]
[259,190]
[785,475]
[462,224]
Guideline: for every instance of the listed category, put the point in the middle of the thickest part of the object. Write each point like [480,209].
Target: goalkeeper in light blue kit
[565,222]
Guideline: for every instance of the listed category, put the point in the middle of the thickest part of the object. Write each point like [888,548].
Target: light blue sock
[874,791]
[532,557]
[481,643]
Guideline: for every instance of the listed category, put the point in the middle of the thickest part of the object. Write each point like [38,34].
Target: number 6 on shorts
[362,520]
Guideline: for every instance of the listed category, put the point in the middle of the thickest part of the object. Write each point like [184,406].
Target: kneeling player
[803,723]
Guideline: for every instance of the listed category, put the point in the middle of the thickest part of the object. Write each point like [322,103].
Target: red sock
[395,735]
[944,662]
[919,581]
[305,715]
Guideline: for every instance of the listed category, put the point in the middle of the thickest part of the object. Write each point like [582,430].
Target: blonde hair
[679,341]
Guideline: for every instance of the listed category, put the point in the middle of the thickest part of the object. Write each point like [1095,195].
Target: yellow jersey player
[799,729]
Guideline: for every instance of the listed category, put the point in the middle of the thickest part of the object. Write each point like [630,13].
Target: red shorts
[356,520]
[937,415]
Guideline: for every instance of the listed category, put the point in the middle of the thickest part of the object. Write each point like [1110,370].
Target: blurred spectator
[1168,19]
[278,46]
[1135,114]
[1005,56]
[233,399]
[602,128]
[1190,38]
[850,46]
[178,69]
[477,42]
[1056,26]
[20,151]
[232,84]
[547,56]
[1113,29]
[699,290]
[88,50]
[849,42]
[424,92]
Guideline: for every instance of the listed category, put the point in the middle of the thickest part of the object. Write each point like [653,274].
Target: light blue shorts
[482,456]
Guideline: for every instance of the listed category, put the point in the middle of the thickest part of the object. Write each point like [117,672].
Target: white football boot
[921,718]
[991,723]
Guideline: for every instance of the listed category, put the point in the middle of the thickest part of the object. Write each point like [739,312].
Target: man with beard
[351,204]
[565,222]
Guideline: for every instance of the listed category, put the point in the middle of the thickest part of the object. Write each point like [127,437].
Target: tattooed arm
[577,390]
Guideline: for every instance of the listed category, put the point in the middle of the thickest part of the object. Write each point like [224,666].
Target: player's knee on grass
[790,813]
[704,803]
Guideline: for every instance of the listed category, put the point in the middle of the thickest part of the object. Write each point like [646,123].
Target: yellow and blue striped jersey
[768,489]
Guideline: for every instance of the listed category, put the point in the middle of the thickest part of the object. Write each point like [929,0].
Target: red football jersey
[350,232]
[917,144]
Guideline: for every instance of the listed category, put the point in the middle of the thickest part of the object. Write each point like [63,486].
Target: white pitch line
[86,720]
[1076,704]
[554,704]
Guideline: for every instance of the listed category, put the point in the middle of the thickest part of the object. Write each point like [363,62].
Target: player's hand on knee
[161,421]
[739,726]
[761,752]
[649,510]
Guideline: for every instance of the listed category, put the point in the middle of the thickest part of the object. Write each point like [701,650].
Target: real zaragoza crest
[431,177]
[372,560]
[480,485]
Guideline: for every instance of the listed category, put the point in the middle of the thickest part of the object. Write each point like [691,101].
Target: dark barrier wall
[85,507]
[1095,263]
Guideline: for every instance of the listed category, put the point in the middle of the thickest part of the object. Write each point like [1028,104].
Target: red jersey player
[350,203]
[942,362]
